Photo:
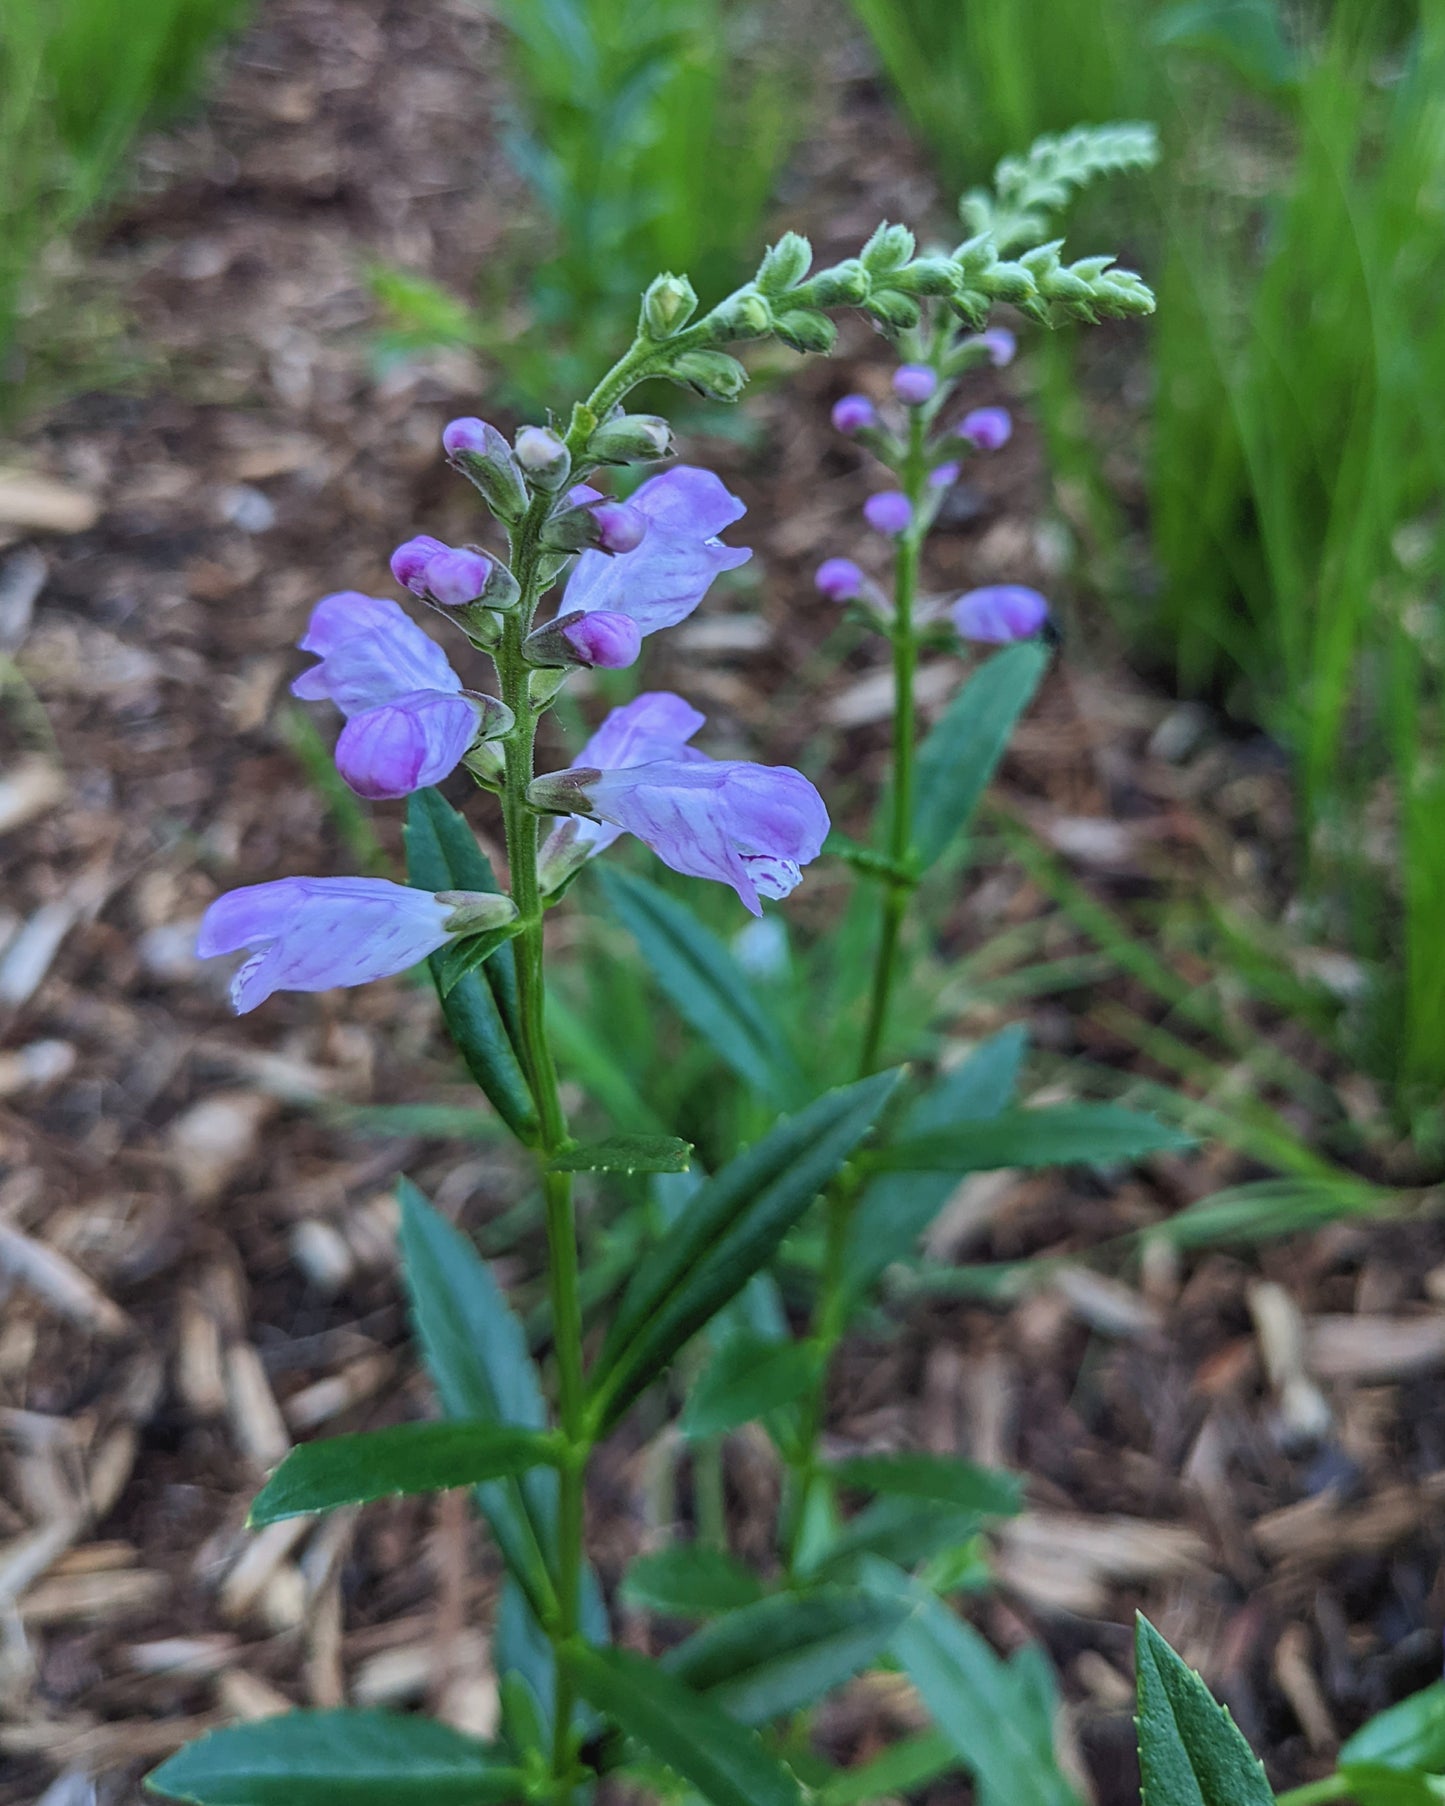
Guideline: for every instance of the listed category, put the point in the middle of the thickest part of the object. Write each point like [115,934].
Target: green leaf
[705,983]
[726,1763]
[730,1229]
[477,1355]
[961,754]
[903,1768]
[1410,1735]
[939,1479]
[1371,1785]
[987,1708]
[746,1378]
[479,1008]
[466,953]
[383,1464]
[901,1530]
[625,1154]
[1095,1133]
[895,1209]
[338,1759]
[767,1660]
[1190,1751]
[690,1581]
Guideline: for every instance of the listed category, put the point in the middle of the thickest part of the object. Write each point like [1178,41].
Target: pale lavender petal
[664,579]
[888,512]
[604,639]
[989,428]
[914,384]
[401,746]
[653,726]
[371,652]
[839,579]
[999,614]
[310,934]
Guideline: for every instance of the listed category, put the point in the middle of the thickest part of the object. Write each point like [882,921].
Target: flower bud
[590,519]
[410,559]
[564,792]
[888,249]
[889,512]
[600,637]
[804,329]
[749,317]
[455,578]
[899,313]
[1000,344]
[543,457]
[914,384]
[712,374]
[845,285]
[989,428]
[785,264]
[667,306]
[929,276]
[839,579]
[999,614]
[945,475]
[476,911]
[852,414]
[482,455]
[630,439]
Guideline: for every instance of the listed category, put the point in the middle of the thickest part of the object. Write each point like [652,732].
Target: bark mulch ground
[196,1218]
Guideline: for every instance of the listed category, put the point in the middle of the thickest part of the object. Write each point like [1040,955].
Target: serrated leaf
[767,1660]
[1191,1752]
[895,1209]
[959,757]
[747,1377]
[986,1709]
[477,1355]
[408,1458]
[338,1759]
[705,984]
[938,1479]
[690,1581]
[625,1154]
[1060,1135]
[1410,1735]
[730,1229]
[725,1762]
[479,1007]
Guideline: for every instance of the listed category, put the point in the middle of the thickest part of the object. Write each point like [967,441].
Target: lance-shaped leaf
[1408,1736]
[727,1763]
[896,1208]
[747,1377]
[767,1660]
[730,1229]
[937,1479]
[339,1759]
[961,754]
[1093,1133]
[690,1581]
[408,1458]
[625,1154]
[479,1006]
[1191,1752]
[705,984]
[477,1355]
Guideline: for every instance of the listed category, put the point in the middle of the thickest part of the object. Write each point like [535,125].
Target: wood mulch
[196,1241]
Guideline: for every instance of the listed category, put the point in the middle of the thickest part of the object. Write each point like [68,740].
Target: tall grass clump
[78,80]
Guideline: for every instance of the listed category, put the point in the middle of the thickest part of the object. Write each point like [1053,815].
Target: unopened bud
[711,373]
[888,249]
[845,285]
[476,911]
[597,638]
[667,306]
[563,792]
[590,520]
[804,330]
[852,414]
[914,384]
[630,439]
[899,313]
[785,263]
[482,455]
[749,317]
[543,457]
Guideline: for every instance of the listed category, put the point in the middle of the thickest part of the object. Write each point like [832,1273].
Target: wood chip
[111,1593]
[1108,1305]
[215,1138]
[60,1283]
[1376,1348]
[1304,1412]
[324,1399]
[255,1417]
[193,1657]
[41,504]
[261,1556]
[1298,1683]
[28,790]
[246,1696]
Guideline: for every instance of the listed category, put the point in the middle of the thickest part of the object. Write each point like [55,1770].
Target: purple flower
[402,745]
[455,578]
[410,559]
[839,579]
[621,528]
[1000,344]
[751,826]
[945,476]
[888,512]
[663,581]
[469,435]
[371,651]
[602,638]
[308,934]
[999,614]
[853,413]
[989,428]
[407,722]
[914,384]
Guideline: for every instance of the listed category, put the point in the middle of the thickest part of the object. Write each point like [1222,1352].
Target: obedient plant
[723,1714]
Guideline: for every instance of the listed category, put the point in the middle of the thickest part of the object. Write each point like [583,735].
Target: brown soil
[196,1250]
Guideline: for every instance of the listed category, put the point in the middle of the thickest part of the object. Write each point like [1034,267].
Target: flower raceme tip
[853,413]
[889,512]
[915,384]
[839,579]
[999,614]
[313,934]
[988,428]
